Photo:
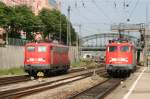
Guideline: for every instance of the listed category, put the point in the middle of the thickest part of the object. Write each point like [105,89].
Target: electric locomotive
[120,57]
[45,57]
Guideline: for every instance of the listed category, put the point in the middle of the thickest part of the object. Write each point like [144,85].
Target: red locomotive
[120,57]
[45,57]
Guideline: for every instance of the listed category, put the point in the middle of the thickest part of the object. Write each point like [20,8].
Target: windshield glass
[30,48]
[124,48]
[42,49]
[112,48]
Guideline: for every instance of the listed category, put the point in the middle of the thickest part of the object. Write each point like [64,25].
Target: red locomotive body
[120,57]
[45,57]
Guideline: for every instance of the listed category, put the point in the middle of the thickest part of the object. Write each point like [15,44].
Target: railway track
[13,79]
[24,91]
[17,79]
[99,91]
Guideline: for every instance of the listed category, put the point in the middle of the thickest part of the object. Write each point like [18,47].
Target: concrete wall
[13,56]
[73,54]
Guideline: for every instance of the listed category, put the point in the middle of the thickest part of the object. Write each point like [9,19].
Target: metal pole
[69,9]
[146,39]
[68,26]
[147,14]
[78,42]
[60,23]
[7,35]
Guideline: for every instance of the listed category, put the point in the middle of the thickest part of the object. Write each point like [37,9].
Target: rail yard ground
[135,87]
[80,75]
[65,91]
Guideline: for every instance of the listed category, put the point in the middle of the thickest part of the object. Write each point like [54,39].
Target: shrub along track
[24,91]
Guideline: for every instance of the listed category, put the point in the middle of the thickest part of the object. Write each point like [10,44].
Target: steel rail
[22,78]
[43,86]
[98,91]
[13,79]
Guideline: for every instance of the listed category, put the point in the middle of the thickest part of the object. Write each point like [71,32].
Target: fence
[17,42]
[11,56]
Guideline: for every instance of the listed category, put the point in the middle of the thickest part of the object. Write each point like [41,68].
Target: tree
[24,19]
[21,18]
[5,14]
[17,18]
[51,20]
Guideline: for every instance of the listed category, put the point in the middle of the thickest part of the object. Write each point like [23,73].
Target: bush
[12,71]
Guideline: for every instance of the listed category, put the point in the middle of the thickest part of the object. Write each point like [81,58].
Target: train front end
[120,58]
[36,58]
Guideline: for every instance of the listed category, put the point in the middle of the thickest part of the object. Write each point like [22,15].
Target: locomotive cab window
[112,48]
[124,49]
[41,48]
[30,48]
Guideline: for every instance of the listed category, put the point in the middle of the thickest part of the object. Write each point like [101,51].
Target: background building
[36,5]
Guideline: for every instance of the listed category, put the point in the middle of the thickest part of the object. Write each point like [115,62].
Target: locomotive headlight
[113,59]
[30,60]
[124,59]
[41,59]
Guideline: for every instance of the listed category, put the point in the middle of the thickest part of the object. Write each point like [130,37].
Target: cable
[89,10]
[95,23]
[94,2]
[83,4]
[79,12]
[86,18]
[137,2]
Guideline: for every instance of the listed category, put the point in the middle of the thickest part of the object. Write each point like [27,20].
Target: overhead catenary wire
[98,7]
[85,10]
[84,7]
[94,23]
[132,11]
[78,12]
[83,16]
[126,13]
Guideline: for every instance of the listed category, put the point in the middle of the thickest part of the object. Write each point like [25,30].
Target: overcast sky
[96,16]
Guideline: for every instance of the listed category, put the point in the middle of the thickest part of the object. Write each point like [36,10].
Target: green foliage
[5,14]
[79,64]
[25,20]
[18,18]
[51,19]
[86,63]
[12,71]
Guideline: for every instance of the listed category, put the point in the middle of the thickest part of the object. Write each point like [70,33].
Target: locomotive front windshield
[119,48]
[112,48]
[30,48]
[124,48]
[41,48]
